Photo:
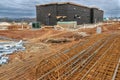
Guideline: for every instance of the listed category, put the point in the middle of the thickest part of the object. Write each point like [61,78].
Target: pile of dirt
[69,35]
[60,40]
[111,27]
[65,37]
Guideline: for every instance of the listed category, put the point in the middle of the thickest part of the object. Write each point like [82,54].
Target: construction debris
[7,48]
[98,30]
[83,34]
[58,27]
[4,60]
[66,55]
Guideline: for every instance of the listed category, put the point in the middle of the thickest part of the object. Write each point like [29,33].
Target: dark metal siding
[92,16]
[42,14]
[87,15]
[83,12]
[62,10]
[97,15]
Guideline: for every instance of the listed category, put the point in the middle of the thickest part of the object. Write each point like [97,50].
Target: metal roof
[61,3]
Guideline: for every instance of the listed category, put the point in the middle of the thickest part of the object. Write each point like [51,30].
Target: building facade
[50,14]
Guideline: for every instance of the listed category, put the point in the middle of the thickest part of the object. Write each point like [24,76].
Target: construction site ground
[64,55]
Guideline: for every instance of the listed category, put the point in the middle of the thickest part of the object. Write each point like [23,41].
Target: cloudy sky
[26,8]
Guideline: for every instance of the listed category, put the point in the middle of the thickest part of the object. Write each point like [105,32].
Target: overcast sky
[26,8]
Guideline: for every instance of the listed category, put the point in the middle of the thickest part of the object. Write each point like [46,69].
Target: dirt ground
[22,65]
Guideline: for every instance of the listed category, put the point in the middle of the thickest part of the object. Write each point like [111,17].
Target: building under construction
[50,14]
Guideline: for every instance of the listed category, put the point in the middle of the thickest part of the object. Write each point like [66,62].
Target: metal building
[50,14]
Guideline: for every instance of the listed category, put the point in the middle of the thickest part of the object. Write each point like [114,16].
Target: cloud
[22,8]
